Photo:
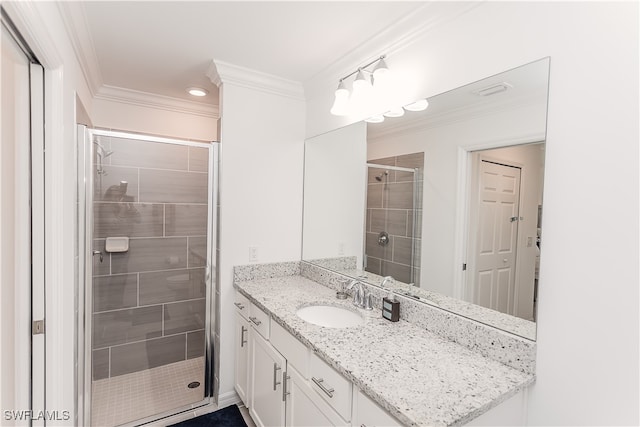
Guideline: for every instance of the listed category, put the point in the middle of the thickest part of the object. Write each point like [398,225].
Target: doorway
[503,242]
[149,211]
[22,362]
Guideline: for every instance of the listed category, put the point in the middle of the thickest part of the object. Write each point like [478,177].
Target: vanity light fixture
[362,84]
[395,112]
[197,91]
[419,105]
[375,119]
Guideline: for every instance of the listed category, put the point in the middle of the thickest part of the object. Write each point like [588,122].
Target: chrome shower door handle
[98,253]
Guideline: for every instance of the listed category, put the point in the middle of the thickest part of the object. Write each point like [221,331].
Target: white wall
[262,141]
[42,27]
[335,179]
[132,117]
[587,360]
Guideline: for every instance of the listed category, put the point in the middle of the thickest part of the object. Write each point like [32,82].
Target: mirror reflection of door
[504,199]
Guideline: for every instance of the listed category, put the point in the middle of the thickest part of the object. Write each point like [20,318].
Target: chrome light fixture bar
[363,81]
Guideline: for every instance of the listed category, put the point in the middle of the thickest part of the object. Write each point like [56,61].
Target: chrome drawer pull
[255,320]
[239,305]
[242,340]
[276,368]
[319,381]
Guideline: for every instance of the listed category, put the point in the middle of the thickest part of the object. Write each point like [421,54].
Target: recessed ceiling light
[197,91]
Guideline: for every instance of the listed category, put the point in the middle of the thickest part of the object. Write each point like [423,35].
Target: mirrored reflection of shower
[393,219]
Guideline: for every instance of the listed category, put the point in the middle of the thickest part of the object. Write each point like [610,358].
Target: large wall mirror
[447,201]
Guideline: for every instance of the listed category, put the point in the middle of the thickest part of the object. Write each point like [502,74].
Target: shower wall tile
[115,292]
[173,187]
[151,254]
[123,326]
[195,344]
[128,219]
[186,220]
[197,251]
[398,271]
[147,354]
[374,249]
[198,159]
[169,286]
[402,247]
[146,154]
[101,267]
[374,195]
[107,185]
[184,316]
[100,361]
[374,265]
[392,221]
[415,160]
[399,196]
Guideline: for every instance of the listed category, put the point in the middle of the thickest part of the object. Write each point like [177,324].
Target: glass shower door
[393,217]
[149,306]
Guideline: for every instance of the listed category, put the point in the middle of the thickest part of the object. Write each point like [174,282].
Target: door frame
[84,291]
[463,194]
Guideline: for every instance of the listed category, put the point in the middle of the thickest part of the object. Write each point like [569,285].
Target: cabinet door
[367,413]
[242,358]
[305,407]
[266,402]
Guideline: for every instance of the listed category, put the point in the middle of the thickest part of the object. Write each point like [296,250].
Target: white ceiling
[163,47]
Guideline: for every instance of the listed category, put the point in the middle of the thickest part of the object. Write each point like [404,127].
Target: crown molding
[397,36]
[221,72]
[150,100]
[77,27]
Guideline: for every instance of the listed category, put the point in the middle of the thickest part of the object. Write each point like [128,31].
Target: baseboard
[228,399]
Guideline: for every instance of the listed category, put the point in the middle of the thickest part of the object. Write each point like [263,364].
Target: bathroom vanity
[293,372]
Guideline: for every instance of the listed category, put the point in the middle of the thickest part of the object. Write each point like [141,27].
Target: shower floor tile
[126,398]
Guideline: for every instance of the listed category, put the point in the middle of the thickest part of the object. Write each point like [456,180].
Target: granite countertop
[421,378]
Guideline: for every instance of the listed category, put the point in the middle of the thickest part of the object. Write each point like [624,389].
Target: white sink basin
[329,316]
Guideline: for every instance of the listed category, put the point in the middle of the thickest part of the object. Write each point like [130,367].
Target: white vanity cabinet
[241,365]
[367,413]
[267,371]
[284,384]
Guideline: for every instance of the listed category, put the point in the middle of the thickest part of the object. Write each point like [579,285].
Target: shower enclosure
[147,233]
[393,221]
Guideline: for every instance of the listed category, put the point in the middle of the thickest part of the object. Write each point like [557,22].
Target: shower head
[383,174]
[103,152]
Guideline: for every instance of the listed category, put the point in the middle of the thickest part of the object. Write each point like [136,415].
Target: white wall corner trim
[75,22]
[220,72]
[228,399]
[150,100]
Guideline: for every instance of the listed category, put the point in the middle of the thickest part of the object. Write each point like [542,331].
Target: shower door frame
[84,279]
[415,172]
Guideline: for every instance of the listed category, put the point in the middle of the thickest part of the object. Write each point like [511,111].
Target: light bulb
[361,81]
[419,105]
[341,101]
[381,69]
[395,112]
[375,119]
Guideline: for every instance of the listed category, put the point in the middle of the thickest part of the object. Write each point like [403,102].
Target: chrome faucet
[361,296]
[387,279]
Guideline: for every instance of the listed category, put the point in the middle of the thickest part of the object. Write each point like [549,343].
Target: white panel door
[496,236]
[266,403]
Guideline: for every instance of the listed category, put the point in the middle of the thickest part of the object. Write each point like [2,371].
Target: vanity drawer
[242,305]
[259,320]
[333,387]
[296,353]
